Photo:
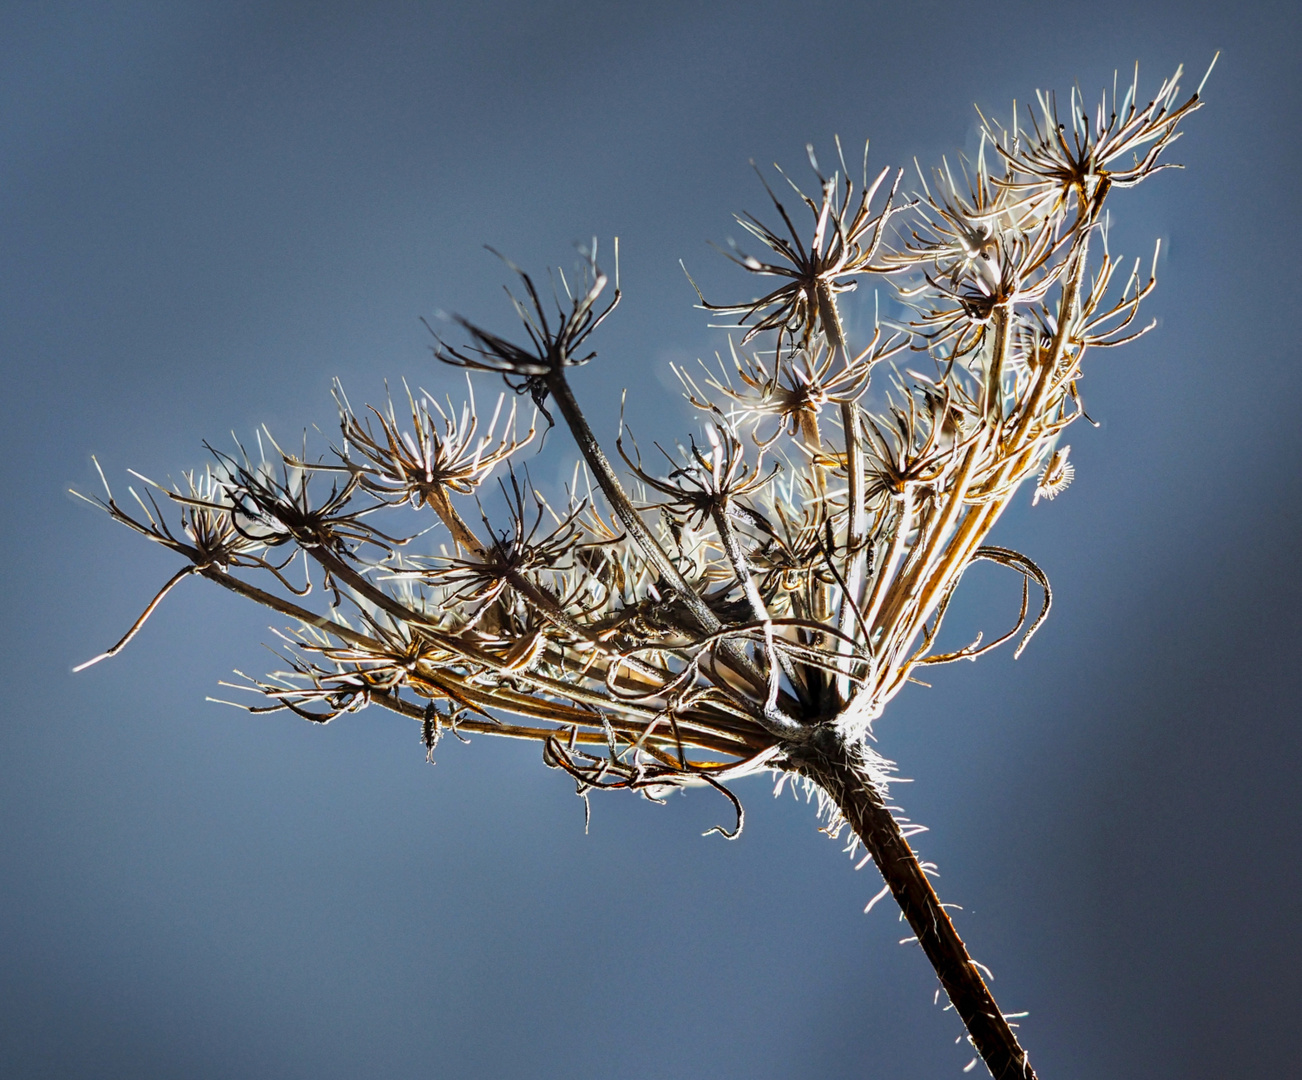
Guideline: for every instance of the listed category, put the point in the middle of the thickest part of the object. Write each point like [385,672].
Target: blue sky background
[207,211]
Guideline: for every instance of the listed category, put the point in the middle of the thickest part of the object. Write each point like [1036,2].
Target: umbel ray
[749,601]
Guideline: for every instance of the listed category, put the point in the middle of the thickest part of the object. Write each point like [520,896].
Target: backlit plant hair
[757,596]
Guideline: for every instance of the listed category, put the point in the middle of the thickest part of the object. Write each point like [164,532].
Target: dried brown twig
[757,601]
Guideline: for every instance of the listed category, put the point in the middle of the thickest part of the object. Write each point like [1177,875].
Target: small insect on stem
[1055,477]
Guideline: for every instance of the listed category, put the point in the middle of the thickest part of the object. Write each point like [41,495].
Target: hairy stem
[842,769]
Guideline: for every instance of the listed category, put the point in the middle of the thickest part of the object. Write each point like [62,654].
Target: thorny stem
[842,770]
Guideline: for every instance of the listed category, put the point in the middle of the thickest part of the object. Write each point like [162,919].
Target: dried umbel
[758,595]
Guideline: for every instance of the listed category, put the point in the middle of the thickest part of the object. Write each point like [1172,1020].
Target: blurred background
[207,211]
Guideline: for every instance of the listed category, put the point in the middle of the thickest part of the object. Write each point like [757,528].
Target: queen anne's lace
[760,594]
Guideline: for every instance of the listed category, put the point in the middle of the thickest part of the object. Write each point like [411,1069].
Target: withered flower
[727,616]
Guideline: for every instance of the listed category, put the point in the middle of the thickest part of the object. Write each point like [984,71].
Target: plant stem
[773,720]
[856,534]
[706,621]
[842,769]
[544,602]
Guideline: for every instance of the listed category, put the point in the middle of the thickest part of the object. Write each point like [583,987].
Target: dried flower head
[844,241]
[755,602]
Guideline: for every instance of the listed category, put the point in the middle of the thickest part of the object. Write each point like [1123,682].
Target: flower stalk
[846,774]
